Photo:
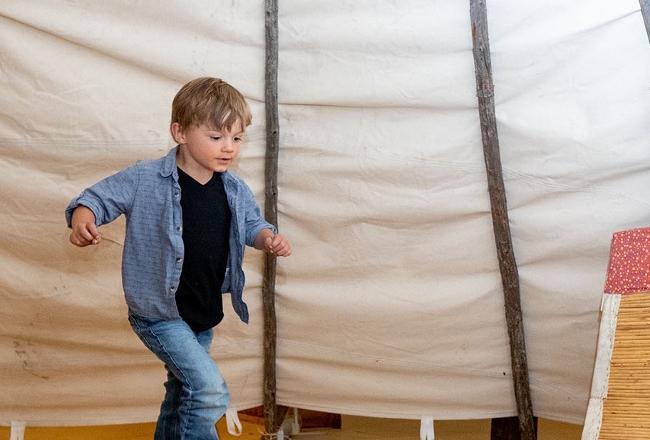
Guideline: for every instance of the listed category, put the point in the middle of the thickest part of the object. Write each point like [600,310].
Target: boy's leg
[204,397]
[168,421]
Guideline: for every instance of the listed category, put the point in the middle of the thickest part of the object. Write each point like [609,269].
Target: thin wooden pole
[272,118]
[507,428]
[496,189]
[273,414]
[645,12]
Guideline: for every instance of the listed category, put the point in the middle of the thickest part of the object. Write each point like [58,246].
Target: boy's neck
[200,174]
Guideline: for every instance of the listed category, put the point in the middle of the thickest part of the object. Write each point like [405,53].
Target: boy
[188,220]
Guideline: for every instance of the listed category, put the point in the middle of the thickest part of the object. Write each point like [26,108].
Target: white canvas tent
[391,304]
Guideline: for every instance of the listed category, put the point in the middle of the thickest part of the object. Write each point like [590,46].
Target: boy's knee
[211,385]
[218,386]
[215,395]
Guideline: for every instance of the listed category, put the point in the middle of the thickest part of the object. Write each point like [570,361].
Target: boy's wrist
[261,238]
[82,214]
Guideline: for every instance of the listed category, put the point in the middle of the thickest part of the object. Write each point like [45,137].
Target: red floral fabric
[629,262]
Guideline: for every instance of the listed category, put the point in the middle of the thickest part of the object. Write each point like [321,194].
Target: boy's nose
[228,145]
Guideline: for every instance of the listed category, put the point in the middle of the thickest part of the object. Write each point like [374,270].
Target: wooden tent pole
[273,415]
[645,12]
[496,189]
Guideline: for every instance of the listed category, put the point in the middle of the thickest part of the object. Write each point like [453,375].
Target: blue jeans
[196,395]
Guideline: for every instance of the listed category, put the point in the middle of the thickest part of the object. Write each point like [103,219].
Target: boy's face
[204,149]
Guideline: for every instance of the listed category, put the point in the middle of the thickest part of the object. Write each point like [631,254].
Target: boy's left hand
[277,244]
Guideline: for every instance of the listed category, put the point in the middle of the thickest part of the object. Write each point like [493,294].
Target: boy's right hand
[84,231]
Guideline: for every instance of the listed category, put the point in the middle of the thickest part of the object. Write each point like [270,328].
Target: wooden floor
[353,428]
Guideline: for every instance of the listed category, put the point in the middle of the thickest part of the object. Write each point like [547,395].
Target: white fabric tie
[17,430]
[426,428]
[232,422]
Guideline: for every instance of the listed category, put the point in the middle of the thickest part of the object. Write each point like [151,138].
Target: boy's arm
[272,243]
[84,230]
[266,239]
[109,198]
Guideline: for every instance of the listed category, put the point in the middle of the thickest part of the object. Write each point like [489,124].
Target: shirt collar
[168,167]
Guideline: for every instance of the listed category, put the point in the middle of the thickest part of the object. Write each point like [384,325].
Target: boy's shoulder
[164,165]
[231,175]
[232,178]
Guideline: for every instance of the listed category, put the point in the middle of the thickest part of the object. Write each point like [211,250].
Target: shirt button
[176,194]
[178,228]
[179,259]
[173,289]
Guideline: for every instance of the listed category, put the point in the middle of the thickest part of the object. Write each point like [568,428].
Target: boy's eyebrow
[221,131]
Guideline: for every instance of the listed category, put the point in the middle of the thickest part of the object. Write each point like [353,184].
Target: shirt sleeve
[108,198]
[254,220]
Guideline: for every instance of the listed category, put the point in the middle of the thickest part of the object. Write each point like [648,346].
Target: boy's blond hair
[210,101]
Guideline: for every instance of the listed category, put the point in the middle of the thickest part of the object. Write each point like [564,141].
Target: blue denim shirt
[148,194]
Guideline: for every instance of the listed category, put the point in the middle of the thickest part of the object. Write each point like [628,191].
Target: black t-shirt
[206,231]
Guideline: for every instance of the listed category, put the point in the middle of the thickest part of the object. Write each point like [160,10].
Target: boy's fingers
[77,240]
[92,228]
[85,235]
[277,244]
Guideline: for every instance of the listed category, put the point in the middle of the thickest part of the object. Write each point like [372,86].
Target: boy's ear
[177,133]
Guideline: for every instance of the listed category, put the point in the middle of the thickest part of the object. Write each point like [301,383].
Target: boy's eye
[215,138]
